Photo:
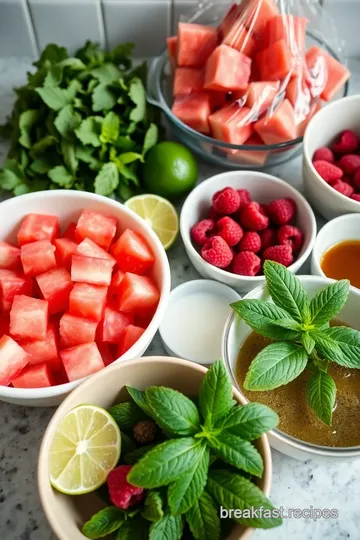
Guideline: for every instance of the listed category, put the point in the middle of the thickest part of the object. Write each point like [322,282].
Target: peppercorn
[145,432]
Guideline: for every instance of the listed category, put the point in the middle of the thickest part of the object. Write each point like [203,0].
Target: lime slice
[159,213]
[85,448]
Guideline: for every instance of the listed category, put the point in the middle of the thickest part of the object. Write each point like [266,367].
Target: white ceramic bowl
[263,188]
[321,131]
[236,332]
[68,205]
[337,230]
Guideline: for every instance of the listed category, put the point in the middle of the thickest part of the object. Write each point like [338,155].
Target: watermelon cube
[82,361]
[227,70]
[290,28]
[115,282]
[88,248]
[280,126]
[258,13]
[275,62]
[194,111]
[36,227]
[88,301]
[43,350]
[188,80]
[70,232]
[171,43]
[301,127]
[113,324]
[299,95]
[138,294]
[259,96]
[332,74]
[240,39]
[76,330]
[29,317]
[13,359]
[34,377]
[4,326]
[130,336]
[195,44]
[11,284]
[91,270]
[132,253]
[9,256]
[106,353]
[232,124]
[100,228]
[38,257]
[252,157]
[65,249]
[55,287]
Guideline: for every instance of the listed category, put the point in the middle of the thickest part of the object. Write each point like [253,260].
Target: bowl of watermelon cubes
[240,92]
[84,282]
[236,220]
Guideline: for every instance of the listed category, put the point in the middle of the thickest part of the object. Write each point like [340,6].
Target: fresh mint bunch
[303,337]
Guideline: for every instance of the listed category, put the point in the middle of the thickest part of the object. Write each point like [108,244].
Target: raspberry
[356,180]
[347,143]
[356,197]
[245,197]
[292,236]
[252,217]
[268,238]
[282,211]
[280,254]
[349,163]
[264,209]
[328,171]
[343,188]
[246,263]
[122,494]
[200,232]
[250,242]
[229,230]
[324,154]
[217,252]
[226,201]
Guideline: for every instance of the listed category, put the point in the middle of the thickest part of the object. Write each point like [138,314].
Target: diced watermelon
[327,72]
[188,81]
[70,232]
[258,13]
[279,127]
[137,294]
[298,93]
[9,256]
[115,282]
[88,301]
[195,44]
[99,228]
[36,227]
[38,257]
[290,28]
[106,353]
[76,331]
[240,39]
[275,62]
[88,248]
[194,111]
[4,326]
[301,128]
[65,249]
[82,361]
[227,70]
[132,253]
[253,157]
[91,270]
[129,337]
[172,47]
[218,99]
[232,124]
[43,351]
[13,359]
[11,284]
[113,324]
[259,96]
[55,287]
[29,317]
[34,377]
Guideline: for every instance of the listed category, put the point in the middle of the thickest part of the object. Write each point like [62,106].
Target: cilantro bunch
[204,458]
[81,123]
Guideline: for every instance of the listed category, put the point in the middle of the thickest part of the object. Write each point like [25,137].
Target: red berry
[356,197]
[292,236]
[213,214]
[251,242]
[343,188]
[356,180]
[264,209]
[280,254]
[217,252]
[328,171]
[346,143]
[245,197]
[201,232]
[246,263]
[282,211]
[226,201]
[229,230]
[349,163]
[122,494]
[268,238]
[252,217]
[324,154]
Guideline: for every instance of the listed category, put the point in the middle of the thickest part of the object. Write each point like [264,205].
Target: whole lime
[170,170]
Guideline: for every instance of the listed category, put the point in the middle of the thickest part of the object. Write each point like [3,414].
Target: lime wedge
[85,448]
[159,213]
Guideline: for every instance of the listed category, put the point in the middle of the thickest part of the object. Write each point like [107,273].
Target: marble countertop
[295,484]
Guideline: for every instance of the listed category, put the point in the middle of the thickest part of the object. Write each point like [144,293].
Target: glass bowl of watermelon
[84,282]
[240,92]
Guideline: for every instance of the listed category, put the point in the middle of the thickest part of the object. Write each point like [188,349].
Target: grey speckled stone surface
[295,484]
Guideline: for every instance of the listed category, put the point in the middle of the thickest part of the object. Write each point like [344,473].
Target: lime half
[159,213]
[85,448]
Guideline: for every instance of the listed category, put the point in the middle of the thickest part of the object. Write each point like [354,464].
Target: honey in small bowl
[342,261]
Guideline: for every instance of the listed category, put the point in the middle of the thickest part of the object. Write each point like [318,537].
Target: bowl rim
[43,481]
[7,392]
[282,437]
[322,114]
[256,175]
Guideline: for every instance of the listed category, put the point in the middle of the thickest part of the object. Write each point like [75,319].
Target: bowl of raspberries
[331,165]
[231,223]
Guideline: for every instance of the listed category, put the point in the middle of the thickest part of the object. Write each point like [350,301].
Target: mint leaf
[321,395]
[134,529]
[127,444]
[233,491]
[183,493]
[126,415]
[68,152]
[215,397]
[27,120]
[139,398]
[107,180]
[104,522]
[276,365]
[106,73]
[165,463]
[132,457]
[60,176]
[89,131]
[138,96]
[168,528]
[41,145]
[110,128]
[52,54]
[67,121]
[308,342]
[329,302]
[288,324]
[55,98]
[130,157]
[153,507]
[54,76]
[85,154]
[121,53]
[91,53]
[341,345]
[72,63]
[203,518]
[11,175]
[41,165]
[151,138]
[173,411]
[102,99]
[287,291]
[238,453]
[250,421]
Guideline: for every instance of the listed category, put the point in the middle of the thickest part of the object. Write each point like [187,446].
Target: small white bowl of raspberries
[231,223]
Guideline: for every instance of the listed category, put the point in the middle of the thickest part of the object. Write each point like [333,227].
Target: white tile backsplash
[346,16]
[16,31]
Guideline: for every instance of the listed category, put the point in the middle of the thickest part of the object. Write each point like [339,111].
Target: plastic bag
[255,72]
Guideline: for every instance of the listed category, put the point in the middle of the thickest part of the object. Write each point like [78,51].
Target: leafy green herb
[104,522]
[321,395]
[133,456]
[168,527]
[136,528]
[241,454]
[140,399]
[203,518]
[215,398]
[126,415]
[250,421]
[153,507]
